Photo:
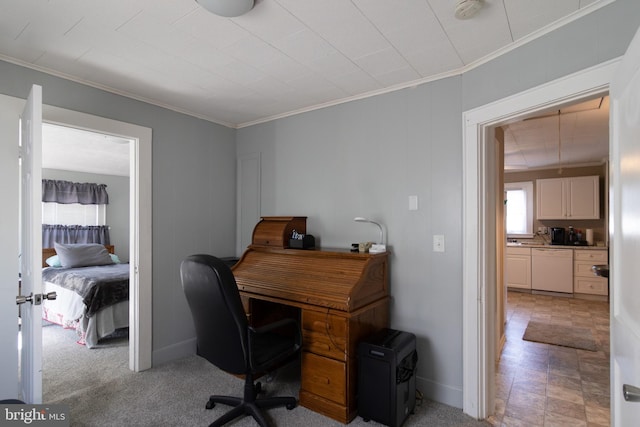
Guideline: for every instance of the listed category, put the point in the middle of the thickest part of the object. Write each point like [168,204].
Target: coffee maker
[558,236]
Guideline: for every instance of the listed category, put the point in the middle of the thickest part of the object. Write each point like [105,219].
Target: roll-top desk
[341,297]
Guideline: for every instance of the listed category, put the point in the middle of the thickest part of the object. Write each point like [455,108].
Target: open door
[31,248]
[625,239]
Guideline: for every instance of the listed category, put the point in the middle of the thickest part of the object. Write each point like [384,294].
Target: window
[73,214]
[519,209]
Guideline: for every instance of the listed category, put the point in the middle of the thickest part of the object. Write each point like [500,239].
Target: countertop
[548,246]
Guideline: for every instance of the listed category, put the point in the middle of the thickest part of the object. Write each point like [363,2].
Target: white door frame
[479,263]
[140,331]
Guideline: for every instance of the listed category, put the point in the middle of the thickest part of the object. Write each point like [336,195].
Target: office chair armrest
[278,324]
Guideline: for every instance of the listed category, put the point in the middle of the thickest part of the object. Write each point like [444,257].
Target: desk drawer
[324,323]
[324,377]
[324,334]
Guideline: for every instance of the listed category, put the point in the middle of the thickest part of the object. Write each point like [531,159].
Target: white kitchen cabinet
[518,268]
[584,281]
[568,198]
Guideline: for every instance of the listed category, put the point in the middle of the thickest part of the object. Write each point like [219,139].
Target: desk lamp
[381,246]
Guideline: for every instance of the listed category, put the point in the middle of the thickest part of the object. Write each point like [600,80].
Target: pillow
[82,254]
[54,261]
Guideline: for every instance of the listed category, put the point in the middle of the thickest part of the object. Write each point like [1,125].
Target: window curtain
[74,192]
[74,234]
[66,192]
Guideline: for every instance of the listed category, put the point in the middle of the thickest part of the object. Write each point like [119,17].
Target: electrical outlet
[438,243]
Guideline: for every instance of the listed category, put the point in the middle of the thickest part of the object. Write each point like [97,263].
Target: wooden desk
[341,296]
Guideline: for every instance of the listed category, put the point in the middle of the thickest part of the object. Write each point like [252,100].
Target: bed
[92,298]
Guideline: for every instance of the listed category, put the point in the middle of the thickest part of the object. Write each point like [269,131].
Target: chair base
[249,405]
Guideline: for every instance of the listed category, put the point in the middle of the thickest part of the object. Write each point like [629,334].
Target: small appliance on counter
[575,238]
[558,236]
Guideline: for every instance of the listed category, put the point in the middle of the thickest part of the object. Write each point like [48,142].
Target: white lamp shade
[227,8]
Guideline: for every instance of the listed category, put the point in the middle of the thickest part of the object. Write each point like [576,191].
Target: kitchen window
[519,209]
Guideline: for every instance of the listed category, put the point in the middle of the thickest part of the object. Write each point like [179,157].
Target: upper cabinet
[568,198]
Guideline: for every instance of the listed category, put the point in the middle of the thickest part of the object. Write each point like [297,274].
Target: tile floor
[547,385]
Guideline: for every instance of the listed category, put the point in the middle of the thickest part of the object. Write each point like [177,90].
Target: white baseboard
[439,392]
[174,352]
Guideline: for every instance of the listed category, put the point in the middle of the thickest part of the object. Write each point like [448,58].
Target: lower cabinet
[518,268]
[584,281]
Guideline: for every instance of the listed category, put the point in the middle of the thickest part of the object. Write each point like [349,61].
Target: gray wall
[117,209]
[364,158]
[194,184]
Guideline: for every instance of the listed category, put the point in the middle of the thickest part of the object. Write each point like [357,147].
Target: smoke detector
[466,9]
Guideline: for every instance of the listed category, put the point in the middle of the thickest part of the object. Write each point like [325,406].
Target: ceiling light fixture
[466,9]
[227,8]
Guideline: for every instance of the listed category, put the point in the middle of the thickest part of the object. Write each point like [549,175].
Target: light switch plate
[413,203]
[438,243]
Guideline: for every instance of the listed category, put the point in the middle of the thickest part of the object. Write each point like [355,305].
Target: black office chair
[226,340]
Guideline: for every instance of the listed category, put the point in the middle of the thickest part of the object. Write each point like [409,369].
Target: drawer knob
[320,324]
[321,380]
[321,345]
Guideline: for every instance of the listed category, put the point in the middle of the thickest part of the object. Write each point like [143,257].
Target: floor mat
[563,335]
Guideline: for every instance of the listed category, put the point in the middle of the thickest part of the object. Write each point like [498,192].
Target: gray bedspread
[99,286]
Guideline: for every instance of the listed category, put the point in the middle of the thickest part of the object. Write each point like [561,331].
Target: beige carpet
[101,391]
[566,336]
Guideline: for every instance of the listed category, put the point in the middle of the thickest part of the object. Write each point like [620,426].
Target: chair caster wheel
[210,404]
[290,406]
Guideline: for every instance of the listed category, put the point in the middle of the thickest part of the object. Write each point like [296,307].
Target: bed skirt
[67,310]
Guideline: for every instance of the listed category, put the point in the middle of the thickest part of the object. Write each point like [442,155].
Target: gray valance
[52,233]
[66,192]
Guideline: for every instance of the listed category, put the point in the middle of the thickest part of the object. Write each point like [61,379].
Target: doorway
[139,243]
[79,155]
[479,241]
[538,383]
